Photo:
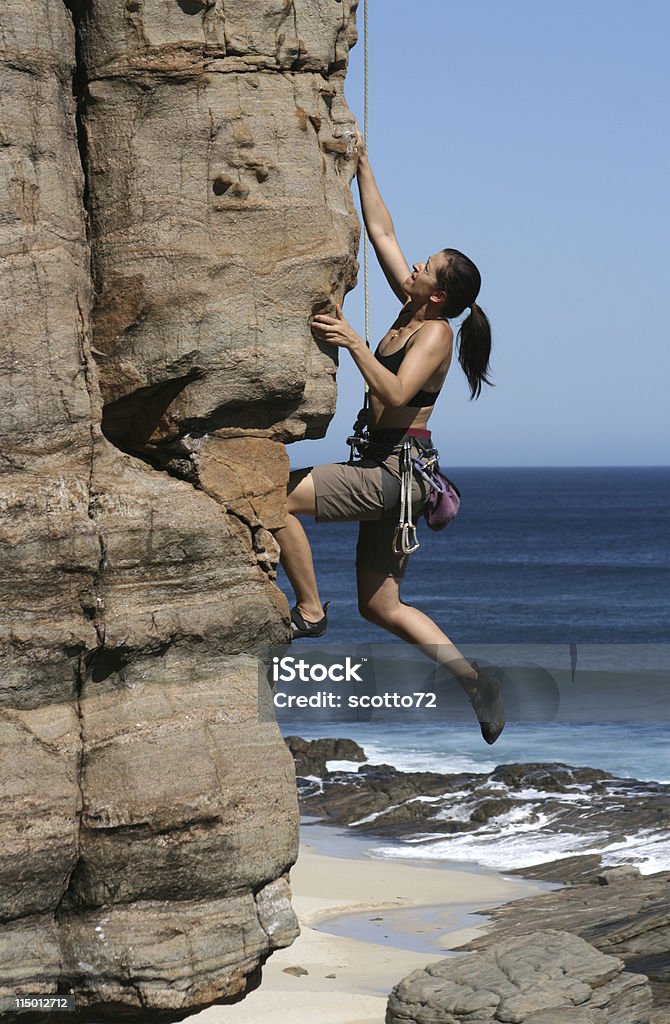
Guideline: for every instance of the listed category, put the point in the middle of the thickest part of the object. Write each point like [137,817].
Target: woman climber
[404,377]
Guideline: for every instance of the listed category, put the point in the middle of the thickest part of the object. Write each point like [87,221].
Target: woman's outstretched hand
[334,329]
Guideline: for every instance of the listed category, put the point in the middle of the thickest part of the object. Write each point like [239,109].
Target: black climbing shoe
[486,701]
[301,627]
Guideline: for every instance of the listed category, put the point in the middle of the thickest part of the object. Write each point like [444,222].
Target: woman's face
[422,282]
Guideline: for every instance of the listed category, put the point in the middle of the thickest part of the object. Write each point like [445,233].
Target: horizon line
[600,465]
[562,465]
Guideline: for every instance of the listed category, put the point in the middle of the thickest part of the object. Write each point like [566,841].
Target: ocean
[541,567]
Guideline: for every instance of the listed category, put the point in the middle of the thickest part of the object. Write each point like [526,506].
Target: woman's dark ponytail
[474,349]
[461,280]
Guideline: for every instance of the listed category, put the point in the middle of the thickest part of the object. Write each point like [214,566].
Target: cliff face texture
[174,205]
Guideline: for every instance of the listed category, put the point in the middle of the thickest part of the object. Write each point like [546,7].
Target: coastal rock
[176,204]
[490,809]
[539,978]
[246,475]
[580,868]
[547,777]
[49,545]
[613,876]
[310,756]
[310,35]
[297,971]
[587,806]
[631,921]
[369,798]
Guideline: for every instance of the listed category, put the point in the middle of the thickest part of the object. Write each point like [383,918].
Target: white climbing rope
[358,439]
[366,78]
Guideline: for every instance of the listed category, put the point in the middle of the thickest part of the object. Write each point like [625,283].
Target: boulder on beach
[546,977]
[628,918]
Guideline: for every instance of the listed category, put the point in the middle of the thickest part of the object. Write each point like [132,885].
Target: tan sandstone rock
[544,977]
[49,546]
[162,292]
[220,210]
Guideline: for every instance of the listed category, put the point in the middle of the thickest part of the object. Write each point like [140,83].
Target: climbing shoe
[301,627]
[486,700]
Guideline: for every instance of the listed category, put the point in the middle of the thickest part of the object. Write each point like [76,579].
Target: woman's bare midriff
[381,416]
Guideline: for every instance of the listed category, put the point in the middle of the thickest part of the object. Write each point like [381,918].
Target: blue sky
[533,137]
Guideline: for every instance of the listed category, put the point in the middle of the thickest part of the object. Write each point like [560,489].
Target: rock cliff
[175,203]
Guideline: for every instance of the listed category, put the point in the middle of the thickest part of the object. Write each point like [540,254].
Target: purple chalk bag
[444,499]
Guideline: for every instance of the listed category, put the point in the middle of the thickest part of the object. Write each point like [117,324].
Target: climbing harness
[378,445]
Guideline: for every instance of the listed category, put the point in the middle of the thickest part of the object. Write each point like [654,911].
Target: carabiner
[409,546]
[430,478]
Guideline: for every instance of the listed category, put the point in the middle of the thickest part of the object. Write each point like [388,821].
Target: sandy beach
[415,912]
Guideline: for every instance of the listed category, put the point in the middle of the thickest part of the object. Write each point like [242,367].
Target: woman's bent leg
[296,553]
[379,602]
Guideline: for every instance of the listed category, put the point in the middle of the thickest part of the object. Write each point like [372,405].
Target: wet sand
[421,911]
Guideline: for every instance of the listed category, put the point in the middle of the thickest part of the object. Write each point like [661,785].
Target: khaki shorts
[363,492]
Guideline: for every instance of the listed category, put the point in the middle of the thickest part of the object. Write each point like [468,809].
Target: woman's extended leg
[296,554]
[379,602]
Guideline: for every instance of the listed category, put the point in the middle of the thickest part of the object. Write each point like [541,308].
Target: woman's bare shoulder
[437,331]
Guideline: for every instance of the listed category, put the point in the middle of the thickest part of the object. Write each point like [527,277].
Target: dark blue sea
[536,561]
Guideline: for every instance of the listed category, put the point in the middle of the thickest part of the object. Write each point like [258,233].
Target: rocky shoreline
[618,911]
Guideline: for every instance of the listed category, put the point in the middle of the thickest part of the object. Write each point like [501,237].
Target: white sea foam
[648,850]
[564,798]
[414,759]
[521,797]
[513,847]
[343,766]
[512,841]
[517,838]
[457,812]
[373,816]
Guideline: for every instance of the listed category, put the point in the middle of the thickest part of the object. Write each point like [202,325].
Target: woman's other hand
[334,329]
[361,148]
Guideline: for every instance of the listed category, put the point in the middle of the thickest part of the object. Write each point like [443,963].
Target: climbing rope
[366,80]
[358,438]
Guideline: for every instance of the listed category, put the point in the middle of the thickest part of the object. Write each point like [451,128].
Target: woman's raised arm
[380,226]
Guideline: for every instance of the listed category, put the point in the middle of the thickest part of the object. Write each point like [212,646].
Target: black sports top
[392,363]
